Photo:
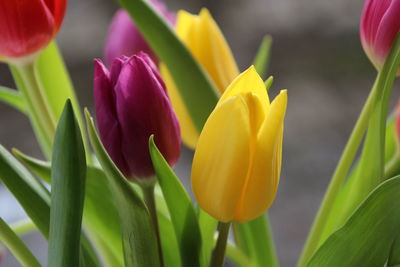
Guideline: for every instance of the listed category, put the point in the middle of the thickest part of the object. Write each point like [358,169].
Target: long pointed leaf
[33,197]
[68,175]
[12,98]
[197,90]
[16,246]
[56,82]
[183,214]
[139,241]
[100,214]
[261,60]
[255,239]
[367,237]
[208,225]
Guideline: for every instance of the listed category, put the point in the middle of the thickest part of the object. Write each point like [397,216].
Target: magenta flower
[380,23]
[124,39]
[132,104]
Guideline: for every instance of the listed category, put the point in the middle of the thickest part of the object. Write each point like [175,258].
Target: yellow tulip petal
[215,54]
[205,41]
[189,132]
[248,82]
[263,178]
[256,113]
[221,159]
[208,46]
[184,22]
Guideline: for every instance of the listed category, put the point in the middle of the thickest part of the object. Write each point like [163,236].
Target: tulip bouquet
[107,195]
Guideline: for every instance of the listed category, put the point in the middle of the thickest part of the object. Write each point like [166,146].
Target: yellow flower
[207,44]
[237,162]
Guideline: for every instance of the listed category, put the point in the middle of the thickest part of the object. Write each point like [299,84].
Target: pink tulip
[380,23]
[125,39]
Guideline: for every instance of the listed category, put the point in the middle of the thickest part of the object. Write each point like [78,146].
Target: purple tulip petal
[131,105]
[107,119]
[144,109]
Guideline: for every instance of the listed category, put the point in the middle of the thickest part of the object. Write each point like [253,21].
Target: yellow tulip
[205,41]
[237,162]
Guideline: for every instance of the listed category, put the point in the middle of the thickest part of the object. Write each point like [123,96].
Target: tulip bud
[205,41]
[379,26]
[131,105]
[27,26]
[125,39]
[237,162]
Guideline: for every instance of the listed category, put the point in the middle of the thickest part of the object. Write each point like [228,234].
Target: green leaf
[139,240]
[56,82]
[390,140]
[23,227]
[268,82]
[100,215]
[33,197]
[370,170]
[170,247]
[394,257]
[366,238]
[12,98]
[183,214]
[261,60]
[237,256]
[208,225]
[23,88]
[254,238]
[68,175]
[16,246]
[373,116]
[40,168]
[196,88]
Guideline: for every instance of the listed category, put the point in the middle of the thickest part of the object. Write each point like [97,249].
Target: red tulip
[27,26]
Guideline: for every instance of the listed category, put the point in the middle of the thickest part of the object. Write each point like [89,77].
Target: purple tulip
[125,39]
[380,23]
[131,105]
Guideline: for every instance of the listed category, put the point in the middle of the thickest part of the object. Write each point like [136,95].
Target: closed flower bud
[125,39]
[27,26]
[131,105]
[380,23]
[205,41]
[237,162]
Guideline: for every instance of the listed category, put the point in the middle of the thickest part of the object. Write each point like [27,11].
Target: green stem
[38,107]
[338,177]
[16,246]
[218,255]
[149,199]
[271,250]
[381,88]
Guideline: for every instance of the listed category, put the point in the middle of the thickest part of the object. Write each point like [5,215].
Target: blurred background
[316,55]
